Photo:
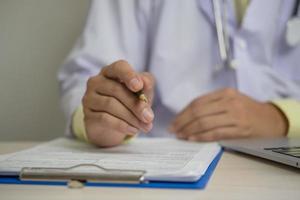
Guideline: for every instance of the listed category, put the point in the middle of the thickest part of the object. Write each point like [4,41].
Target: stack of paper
[163,159]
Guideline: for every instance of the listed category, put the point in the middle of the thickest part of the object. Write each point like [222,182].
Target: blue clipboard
[200,184]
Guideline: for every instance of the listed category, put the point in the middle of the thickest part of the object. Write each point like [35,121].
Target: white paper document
[163,159]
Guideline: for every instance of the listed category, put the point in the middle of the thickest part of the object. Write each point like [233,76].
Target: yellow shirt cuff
[291,109]
[78,126]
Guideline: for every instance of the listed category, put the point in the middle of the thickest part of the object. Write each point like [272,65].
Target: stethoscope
[220,15]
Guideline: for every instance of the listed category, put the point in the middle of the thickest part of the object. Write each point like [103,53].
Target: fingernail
[147,115]
[192,138]
[134,84]
[132,130]
[171,129]
[147,127]
[179,135]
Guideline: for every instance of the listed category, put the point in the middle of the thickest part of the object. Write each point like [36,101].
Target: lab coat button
[242,43]
[234,64]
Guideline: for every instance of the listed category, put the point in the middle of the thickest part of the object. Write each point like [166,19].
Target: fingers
[223,114]
[106,130]
[197,109]
[216,134]
[108,104]
[212,103]
[107,121]
[206,123]
[124,73]
[111,88]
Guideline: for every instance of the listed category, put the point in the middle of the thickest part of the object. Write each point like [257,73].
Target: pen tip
[143,98]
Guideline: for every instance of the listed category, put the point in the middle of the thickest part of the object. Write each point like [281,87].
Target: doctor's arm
[97,89]
[228,113]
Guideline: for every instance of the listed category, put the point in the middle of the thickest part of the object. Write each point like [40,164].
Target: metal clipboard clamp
[76,178]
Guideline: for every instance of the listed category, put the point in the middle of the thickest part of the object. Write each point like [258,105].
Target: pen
[140,94]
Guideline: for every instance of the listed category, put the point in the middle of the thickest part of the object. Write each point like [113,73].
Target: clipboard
[111,178]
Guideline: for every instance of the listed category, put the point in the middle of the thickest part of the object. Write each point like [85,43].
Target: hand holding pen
[117,104]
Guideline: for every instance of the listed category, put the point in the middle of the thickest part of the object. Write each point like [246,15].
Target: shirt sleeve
[291,109]
[78,126]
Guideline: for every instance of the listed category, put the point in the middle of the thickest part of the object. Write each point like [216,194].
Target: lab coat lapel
[262,17]
[207,9]
[261,24]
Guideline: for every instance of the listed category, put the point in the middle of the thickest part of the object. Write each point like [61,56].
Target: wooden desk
[237,176]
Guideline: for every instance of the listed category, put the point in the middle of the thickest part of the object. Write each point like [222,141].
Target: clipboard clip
[78,175]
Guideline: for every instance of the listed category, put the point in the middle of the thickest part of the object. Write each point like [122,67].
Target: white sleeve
[114,30]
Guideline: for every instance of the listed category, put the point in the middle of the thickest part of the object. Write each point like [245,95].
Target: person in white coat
[169,49]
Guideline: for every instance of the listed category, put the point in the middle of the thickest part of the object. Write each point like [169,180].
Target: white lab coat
[176,41]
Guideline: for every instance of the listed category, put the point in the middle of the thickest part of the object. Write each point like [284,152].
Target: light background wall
[35,37]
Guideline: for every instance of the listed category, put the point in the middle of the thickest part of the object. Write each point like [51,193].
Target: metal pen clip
[74,176]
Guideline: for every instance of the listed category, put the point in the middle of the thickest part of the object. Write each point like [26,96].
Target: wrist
[78,126]
[278,120]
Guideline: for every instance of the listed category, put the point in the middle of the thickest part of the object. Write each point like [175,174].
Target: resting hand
[228,114]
